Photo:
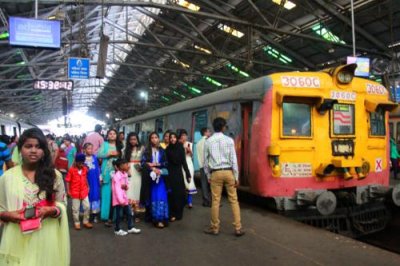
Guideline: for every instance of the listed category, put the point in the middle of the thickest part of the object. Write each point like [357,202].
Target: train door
[3,130]
[159,127]
[247,113]
[15,131]
[199,120]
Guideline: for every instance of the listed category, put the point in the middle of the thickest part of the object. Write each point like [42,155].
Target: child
[120,199]
[93,178]
[78,190]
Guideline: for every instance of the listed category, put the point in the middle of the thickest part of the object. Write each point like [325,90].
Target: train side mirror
[326,105]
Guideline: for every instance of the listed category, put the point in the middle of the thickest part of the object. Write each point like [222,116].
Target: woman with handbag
[33,208]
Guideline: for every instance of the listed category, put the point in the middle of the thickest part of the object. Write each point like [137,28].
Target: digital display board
[54,85]
[362,69]
[34,32]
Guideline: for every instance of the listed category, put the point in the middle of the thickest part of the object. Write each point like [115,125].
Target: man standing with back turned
[220,166]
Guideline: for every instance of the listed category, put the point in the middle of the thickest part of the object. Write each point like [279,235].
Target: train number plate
[300,82]
[342,148]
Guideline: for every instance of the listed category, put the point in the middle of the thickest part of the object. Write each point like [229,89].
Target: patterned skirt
[159,201]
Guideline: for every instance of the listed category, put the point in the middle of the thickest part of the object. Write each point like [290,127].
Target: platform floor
[270,240]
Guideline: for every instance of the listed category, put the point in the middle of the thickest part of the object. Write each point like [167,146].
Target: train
[314,143]
[11,127]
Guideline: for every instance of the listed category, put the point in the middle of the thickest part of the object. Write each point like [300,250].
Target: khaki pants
[218,180]
[76,204]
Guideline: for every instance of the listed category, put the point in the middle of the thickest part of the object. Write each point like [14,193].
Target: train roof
[248,91]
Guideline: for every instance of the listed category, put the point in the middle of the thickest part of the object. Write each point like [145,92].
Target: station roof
[164,51]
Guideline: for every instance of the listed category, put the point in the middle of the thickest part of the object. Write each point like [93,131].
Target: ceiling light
[107,115]
[230,30]
[202,49]
[12,115]
[181,63]
[276,54]
[187,4]
[288,4]
[237,70]
[213,81]
[4,35]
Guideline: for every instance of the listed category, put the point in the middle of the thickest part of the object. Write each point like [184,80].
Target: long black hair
[129,147]
[45,174]
[148,147]
[118,143]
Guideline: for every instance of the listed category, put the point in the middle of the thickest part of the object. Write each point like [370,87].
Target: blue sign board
[35,32]
[78,68]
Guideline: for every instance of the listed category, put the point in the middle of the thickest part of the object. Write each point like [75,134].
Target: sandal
[160,225]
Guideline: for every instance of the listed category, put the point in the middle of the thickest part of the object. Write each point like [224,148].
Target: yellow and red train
[314,142]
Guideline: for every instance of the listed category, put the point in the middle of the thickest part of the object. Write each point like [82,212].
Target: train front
[322,149]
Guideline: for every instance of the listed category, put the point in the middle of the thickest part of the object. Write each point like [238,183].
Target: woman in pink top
[120,199]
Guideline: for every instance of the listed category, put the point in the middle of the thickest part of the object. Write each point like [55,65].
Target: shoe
[211,231]
[239,232]
[120,233]
[172,219]
[134,230]
[108,223]
[137,220]
[190,206]
[88,225]
[77,226]
[95,220]
[160,225]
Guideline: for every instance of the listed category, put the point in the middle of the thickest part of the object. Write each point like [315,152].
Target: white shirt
[200,151]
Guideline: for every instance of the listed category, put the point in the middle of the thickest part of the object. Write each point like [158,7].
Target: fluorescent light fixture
[230,30]
[4,35]
[187,4]
[107,115]
[326,34]
[288,4]
[395,44]
[202,49]
[166,99]
[192,89]
[181,63]
[237,70]
[213,81]
[178,94]
[278,55]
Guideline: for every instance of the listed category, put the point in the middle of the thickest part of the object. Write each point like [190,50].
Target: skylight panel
[187,5]
[230,30]
[288,4]
[326,34]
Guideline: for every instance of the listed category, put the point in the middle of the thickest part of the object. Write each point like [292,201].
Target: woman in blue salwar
[109,151]
[154,164]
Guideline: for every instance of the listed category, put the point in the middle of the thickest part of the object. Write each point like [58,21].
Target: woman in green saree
[33,185]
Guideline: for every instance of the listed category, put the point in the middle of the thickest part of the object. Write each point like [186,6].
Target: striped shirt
[219,152]
[5,155]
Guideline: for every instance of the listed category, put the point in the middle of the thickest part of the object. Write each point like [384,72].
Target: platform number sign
[378,165]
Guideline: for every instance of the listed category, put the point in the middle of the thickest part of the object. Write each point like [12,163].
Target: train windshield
[343,119]
[296,119]
[377,120]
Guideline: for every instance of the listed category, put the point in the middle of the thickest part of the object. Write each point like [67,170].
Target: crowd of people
[107,178]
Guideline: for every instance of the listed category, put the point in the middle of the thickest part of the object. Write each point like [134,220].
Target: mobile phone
[30,212]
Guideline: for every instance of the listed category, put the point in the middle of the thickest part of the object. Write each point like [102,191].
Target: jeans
[126,210]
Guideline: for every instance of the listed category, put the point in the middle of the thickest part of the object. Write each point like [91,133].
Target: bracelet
[58,212]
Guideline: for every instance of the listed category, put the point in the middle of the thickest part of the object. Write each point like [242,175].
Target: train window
[377,123]
[137,128]
[343,119]
[391,128]
[296,120]
[159,126]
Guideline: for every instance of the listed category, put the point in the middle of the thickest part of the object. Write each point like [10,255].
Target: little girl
[120,199]
[93,178]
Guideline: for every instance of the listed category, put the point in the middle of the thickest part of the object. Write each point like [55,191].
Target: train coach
[314,142]
[10,127]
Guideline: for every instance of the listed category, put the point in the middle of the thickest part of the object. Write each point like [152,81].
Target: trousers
[76,204]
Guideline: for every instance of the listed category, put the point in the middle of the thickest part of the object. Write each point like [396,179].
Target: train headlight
[344,77]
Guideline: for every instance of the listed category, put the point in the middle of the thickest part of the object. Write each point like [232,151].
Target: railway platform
[270,239]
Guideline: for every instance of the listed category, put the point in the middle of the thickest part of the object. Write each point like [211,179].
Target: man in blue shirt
[5,157]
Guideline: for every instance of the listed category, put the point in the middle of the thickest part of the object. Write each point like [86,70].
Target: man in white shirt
[205,186]
[221,168]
